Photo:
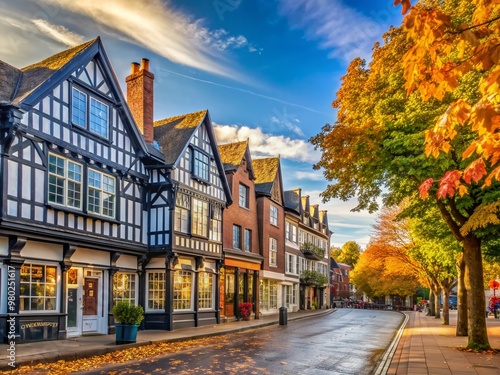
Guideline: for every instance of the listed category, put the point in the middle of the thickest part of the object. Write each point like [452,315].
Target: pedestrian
[414,307]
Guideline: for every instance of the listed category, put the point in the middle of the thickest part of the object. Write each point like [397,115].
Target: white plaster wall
[127,261]
[91,257]
[4,246]
[42,250]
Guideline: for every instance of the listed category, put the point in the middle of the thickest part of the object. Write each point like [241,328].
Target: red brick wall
[140,99]
[234,214]
[268,230]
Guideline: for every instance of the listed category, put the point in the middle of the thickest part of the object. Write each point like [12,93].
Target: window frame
[53,298]
[207,295]
[244,196]
[198,172]
[87,114]
[176,291]
[127,288]
[66,181]
[199,217]
[273,215]
[273,252]
[103,192]
[247,240]
[237,239]
[158,290]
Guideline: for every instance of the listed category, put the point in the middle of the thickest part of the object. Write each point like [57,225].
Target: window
[243,198]
[101,193]
[38,288]
[201,165]
[290,295]
[65,182]
[274,215]
[99,113]
[248,240]
[291,232]
[182,210]
[200,218]
[291,263]
[236,237]
[182,290]
[269,294]
[206,290]
[124,287]
[156,290]
[273,250]
[216,223]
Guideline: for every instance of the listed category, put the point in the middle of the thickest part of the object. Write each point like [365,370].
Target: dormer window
[92,114]
[201,165]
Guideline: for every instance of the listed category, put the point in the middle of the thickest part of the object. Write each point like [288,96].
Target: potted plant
[245,309]
[127,319]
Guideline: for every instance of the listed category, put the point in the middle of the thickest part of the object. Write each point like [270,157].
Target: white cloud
[156,26]
[341,29]
[284,119]
[267,145]
[311,176]
[59,33]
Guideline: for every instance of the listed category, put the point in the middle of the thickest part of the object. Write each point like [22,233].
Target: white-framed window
[183,285]
[182,213]
[291,232]
[268,294]
[291,262]
[273,215]
[206,290]
[38,287]
[243,196]
[273,251]
[101,193]
[201,165]
[124,287]
[65,182]
[94,118]
[247,243]
[236,237]
[290,295]
[199,224]
[216,223]
[156,290]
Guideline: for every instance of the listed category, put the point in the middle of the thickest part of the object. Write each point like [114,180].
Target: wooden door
[90,291]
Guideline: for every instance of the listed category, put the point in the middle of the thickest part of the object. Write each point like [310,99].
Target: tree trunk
[437,304]
[446,304]
[431,304]
[474,284]
[461,301]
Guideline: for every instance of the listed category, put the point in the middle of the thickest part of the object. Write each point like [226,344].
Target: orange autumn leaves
[442,51]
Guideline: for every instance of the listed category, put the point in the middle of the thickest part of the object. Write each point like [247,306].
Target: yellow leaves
[481,218]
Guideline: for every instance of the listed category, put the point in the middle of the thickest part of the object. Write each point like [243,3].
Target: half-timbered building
[242,259]
[73,173]
[186,197]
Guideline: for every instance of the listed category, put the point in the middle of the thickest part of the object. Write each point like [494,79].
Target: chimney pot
[134,68]
[145,64]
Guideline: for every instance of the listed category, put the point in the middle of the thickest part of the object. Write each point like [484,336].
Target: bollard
[283,316]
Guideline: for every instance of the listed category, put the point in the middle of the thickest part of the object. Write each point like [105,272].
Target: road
[349,341]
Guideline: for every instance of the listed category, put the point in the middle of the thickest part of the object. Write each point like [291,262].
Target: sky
[267,70]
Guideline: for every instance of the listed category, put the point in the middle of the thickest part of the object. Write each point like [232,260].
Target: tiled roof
[231,154]
[173,133]
[36,74]
[292,200]
[9,77]
[265,171]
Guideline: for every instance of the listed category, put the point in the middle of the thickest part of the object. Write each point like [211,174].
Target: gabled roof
[9,79]
[232,155]
[173,133]
[36,74]
[265,174]
[292,200]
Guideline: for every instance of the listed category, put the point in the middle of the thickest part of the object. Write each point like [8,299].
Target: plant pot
[126,333]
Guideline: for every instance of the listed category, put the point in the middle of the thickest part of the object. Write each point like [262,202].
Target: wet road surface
[348,341]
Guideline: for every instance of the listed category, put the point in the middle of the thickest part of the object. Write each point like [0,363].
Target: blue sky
[267,70]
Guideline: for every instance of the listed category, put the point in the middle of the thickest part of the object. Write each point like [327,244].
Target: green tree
[335,252]
[349,253]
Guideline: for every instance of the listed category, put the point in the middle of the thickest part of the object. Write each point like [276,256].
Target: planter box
[126,333]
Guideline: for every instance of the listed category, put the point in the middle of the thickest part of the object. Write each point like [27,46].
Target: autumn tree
[335,252]
[376,146]
[349,253]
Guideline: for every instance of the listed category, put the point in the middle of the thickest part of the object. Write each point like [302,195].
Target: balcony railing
[312,251]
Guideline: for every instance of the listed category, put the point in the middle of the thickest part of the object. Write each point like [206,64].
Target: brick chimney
[140,98]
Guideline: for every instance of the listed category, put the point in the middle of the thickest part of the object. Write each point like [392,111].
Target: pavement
[421,346]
